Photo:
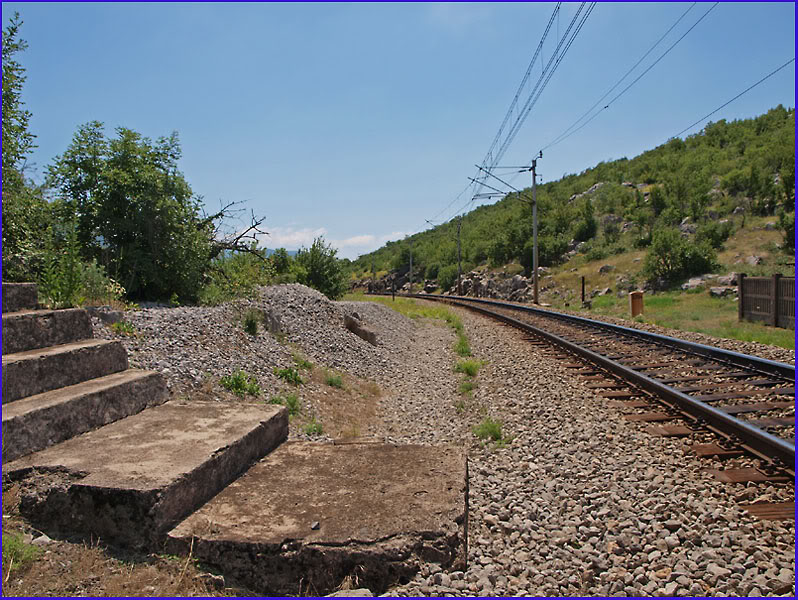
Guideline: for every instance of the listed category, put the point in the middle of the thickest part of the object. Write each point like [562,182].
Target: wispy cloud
[292,239]
[457,17]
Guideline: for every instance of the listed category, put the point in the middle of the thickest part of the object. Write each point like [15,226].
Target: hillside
[728,192]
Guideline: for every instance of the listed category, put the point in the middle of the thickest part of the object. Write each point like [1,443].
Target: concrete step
[20,296]
[36,371]
[40,421]
[129,482]
[308,515]
[30,329]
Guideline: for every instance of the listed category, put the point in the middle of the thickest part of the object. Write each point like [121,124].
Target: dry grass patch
[349,411]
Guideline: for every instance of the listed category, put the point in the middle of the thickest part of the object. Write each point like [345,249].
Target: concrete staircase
[95,450]
[91,443]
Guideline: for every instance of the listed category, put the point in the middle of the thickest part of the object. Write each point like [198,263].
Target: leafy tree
[672,257]
[26,215]
[787,225]
[281,261]
[320,269]
[586,227]
[135,211]
[17,139]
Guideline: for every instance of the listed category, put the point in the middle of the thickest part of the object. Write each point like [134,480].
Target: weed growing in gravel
[313,428]
[489,429]
[460,406]
[289,375]
[334,380]
[461,346]
[16,553]
[467,386]
[241,383]
[123,328]
[469,367]
[290,401]
[301,361]
[250,321]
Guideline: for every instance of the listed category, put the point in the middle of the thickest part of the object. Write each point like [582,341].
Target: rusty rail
[763,444]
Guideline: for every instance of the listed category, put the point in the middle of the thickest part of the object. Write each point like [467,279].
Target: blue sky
[361,121]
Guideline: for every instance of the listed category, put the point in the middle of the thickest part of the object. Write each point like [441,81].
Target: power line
[555,60]
[524,80]
[617,83]
[651,66]
[748,89]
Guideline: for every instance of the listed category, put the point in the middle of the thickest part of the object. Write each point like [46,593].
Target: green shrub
[467,386]
[61,283]
[318,267]
[123,328]
[302,362]
[251,319]
[489,429]
[16,553]
[469,367]
[787,226]
[447,277]
[290,401]
[98,288]
[289,375]
[672,257]
[334,380]
[313,428]
[241,383]
[597,253]
[713,233]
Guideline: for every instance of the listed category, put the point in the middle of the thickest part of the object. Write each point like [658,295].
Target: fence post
[740,296]
[774,294]
[583,289]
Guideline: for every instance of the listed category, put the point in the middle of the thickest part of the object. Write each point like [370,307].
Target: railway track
[738,404]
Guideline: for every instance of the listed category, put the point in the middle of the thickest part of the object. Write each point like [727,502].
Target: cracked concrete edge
[55,501]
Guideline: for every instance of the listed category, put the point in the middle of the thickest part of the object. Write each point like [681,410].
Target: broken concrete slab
[36,371]
[362,331]
[30,329]
[20,296]
[310,515]
[131,481]
[40,421]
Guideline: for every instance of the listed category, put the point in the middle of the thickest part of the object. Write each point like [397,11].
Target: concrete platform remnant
[39,421]
[131,481]
[36,371]
[26,330]
[20,296]
[308,516]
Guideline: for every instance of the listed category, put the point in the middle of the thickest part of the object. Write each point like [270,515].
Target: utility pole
[373,277]
[535,228]
[459,285]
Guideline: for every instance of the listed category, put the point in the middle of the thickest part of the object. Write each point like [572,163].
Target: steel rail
[758,441]
[746,361]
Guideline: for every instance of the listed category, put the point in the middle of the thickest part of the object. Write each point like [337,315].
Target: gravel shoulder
[582,502]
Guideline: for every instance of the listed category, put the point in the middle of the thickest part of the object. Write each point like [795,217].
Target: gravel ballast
[576,501]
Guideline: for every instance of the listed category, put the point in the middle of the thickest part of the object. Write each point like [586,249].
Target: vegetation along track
[709,389]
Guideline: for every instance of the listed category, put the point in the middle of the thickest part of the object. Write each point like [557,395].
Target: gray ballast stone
[20,296]
[36,371]
[32,329]
[39,421]
[129,482]
[379,512]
